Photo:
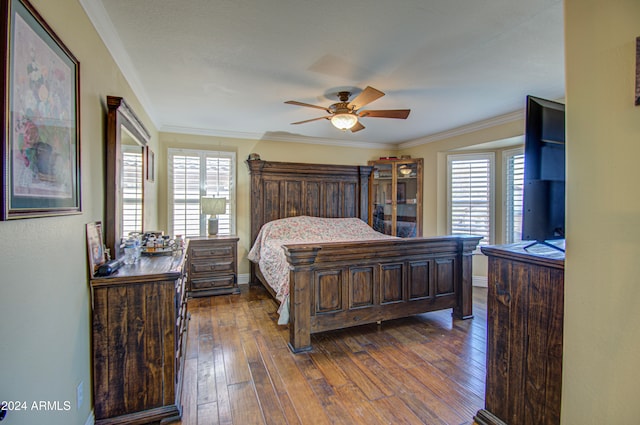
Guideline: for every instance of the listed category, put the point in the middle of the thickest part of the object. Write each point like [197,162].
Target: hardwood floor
[427,369]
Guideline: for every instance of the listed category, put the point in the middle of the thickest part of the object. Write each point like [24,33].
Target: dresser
[525,305]
[139,324]
[212,266]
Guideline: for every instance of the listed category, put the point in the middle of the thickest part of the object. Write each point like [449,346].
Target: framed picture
[40,119]
[637,71]
[95,246]
[151,164]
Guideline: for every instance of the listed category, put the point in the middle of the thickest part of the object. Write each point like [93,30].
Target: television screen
[543,215]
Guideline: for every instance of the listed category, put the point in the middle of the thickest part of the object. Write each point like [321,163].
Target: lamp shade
[213,206]
[344,121]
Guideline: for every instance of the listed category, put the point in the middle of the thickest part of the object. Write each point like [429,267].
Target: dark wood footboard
[338,285]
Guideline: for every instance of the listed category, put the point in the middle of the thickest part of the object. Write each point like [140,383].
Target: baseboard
[480,281]
[243,279]
[91,420]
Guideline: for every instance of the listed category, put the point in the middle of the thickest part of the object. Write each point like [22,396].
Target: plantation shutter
[514,193]
[219,185]
[470,195]
[131,190]
[192,175]
[185,172]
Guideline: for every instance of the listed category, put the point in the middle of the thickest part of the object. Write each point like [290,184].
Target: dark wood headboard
[289,189]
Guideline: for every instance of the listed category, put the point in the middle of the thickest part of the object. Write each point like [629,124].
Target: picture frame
[41,119]
[637,71]
[151,164]
[95,247]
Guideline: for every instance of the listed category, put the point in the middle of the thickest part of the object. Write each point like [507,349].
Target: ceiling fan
[345,115]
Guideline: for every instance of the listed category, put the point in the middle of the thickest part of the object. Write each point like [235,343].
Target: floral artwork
[43,143]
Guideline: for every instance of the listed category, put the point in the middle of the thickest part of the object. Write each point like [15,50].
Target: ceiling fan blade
[293,102]
[357,127]
[389,113]
[368,95]
[312,119]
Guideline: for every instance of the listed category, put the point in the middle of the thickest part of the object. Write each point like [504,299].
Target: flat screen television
[543,216]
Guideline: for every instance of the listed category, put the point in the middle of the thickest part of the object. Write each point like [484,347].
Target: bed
[338,284]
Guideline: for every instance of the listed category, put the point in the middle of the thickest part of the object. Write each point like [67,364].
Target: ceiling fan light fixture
[344,121]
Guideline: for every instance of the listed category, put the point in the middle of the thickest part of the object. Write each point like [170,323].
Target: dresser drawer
[218,281]
[197,253]
[198,267]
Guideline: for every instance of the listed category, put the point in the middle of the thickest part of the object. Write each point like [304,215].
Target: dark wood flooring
[427,369]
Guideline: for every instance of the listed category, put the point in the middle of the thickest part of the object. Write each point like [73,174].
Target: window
[470,199]
[514,184]
[131,190]
[192,175]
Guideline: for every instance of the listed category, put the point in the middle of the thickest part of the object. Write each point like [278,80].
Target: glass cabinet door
[395,201]
[407,200]
[382,194]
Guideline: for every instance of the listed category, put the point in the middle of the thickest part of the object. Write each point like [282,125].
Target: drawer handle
[199,268]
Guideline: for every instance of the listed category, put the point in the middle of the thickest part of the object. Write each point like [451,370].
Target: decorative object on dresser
[395,200]
[334,285]
[525,305]
[212,266]
[139,334]
[95,247]
[212,207]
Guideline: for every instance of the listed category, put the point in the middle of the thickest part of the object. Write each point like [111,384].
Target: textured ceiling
[225,67]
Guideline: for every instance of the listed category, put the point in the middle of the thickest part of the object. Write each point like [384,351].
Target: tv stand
[545,243]
[525,301]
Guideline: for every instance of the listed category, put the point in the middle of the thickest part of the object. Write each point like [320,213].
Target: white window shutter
[470,194]
[192,175]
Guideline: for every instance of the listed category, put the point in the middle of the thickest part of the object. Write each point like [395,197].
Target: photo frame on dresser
[95,247]
[41,118]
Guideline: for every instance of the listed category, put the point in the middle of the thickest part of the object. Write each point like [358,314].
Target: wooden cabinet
[212,266]
[139,330]
[525,305]
[395,197]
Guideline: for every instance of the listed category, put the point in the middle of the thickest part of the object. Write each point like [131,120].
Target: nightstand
[212,266]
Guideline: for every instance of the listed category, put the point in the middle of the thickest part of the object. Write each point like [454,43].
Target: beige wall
[601,376]
[45,300]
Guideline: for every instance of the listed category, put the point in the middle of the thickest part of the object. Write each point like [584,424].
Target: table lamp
[212,207]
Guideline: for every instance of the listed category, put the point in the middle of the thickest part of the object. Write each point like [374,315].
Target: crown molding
[104,27]
[210,132]
[275,137]
[465,129]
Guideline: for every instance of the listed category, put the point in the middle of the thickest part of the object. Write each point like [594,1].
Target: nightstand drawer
[213,282]
[211,266]
[197,253]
